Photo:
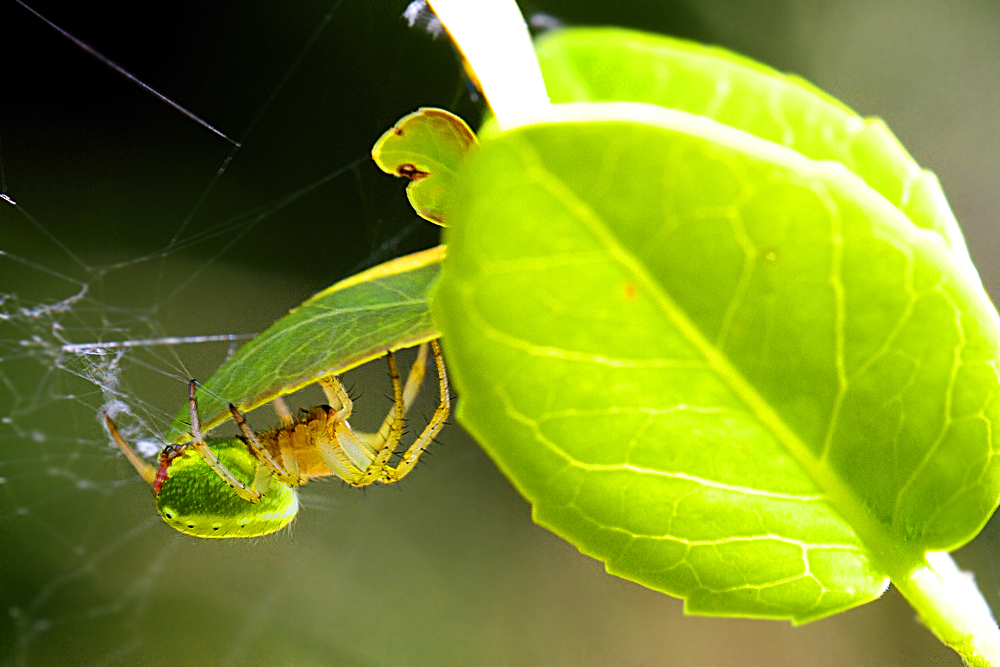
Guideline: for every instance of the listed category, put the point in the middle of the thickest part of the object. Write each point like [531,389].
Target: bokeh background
[132,222]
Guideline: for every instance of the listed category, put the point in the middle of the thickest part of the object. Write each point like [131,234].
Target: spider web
[154,216]
[135,230]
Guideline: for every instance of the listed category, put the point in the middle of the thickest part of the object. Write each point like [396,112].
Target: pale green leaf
[342,327]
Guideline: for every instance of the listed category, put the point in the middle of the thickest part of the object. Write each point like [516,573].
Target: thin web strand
[3,175]
[84,557]
[128,75]
[255,121]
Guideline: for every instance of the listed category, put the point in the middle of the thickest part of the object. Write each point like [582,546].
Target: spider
[243,486]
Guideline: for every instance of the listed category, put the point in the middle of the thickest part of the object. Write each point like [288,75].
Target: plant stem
[494,40]
[950,604]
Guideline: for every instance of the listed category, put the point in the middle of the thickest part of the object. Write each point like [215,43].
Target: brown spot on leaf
[629,290]
[411,172]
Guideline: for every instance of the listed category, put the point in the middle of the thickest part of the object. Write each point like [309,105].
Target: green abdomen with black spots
[195,500]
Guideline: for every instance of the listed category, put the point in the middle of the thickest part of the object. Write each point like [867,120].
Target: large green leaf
[733,373]
[342,327]
[611,64]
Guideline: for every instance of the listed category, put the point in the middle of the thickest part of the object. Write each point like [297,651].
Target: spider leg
[342,453]
[337,396]
[284,414]
[338,446]
[413,382]
[363,458]
[198,442]
[264,456]
[376,470]
[412,454]
[146,471]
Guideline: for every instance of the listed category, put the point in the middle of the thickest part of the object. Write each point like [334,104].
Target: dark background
[118,192]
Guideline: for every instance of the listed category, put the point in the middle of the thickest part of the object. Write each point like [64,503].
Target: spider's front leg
[198,442]
[268,465]
[415,378]
[380,470]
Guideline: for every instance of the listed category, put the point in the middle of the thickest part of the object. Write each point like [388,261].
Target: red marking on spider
[167,457]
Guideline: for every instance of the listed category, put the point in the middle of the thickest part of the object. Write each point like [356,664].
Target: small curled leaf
[426,147]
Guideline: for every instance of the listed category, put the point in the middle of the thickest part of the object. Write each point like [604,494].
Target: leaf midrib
[888,554]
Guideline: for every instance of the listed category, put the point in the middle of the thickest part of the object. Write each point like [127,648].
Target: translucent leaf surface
[731,372]
[588,64]
[426,147]
[344,326]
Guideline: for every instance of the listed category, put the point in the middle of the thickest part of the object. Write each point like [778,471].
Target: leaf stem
[950,604]
[494,40]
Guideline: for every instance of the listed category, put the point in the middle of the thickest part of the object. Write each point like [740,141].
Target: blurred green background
[120,195]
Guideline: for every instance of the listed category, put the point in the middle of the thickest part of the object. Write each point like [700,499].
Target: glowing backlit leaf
[731,367]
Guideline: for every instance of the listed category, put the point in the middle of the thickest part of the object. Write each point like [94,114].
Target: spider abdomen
[195,500]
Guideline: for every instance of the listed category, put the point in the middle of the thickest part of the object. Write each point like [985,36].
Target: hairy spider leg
[146,471]
[249,493]
[412,454]
[341,450]
[384,444]
[376,469]
[413,383]
[271,466]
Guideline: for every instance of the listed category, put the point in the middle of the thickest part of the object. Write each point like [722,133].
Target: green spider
[244,486]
